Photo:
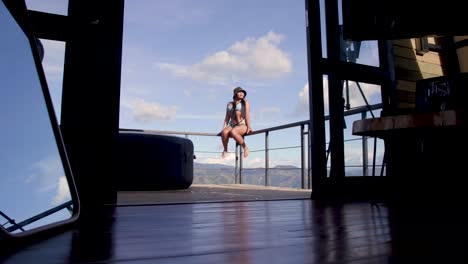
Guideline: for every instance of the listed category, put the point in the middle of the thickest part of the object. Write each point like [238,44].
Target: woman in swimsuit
[237,121]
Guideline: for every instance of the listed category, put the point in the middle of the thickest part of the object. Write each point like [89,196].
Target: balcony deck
[279,231]
[199,193]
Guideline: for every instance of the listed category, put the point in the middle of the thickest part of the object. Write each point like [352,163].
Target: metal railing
[19,226]
[266,132]
[305,139]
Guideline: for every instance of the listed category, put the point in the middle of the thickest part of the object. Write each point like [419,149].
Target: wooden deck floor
[199,193]
[280,231]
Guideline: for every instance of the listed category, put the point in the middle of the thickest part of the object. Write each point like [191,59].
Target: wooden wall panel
[410,53]
[411,67]
[462,54]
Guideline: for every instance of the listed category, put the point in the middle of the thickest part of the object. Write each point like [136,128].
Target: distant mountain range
[279,176]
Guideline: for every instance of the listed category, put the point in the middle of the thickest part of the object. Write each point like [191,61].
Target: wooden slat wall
[462,54]
[410,67]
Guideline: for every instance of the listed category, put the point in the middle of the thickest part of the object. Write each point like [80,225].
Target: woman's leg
[237,133]
[225,139]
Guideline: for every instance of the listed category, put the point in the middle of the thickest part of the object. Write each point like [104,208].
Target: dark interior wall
[91,96]
[401,19]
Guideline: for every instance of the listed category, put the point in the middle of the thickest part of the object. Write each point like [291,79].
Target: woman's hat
[239,89]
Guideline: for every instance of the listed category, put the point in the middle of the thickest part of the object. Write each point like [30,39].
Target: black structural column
[335,92]
[91,96]
[316,105]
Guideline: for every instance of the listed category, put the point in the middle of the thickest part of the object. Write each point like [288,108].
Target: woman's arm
[247,116]
[227,116]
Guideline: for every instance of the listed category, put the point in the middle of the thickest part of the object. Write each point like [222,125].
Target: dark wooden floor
[287,231]
[200,193]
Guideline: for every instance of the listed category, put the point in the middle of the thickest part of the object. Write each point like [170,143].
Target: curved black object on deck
[153,162]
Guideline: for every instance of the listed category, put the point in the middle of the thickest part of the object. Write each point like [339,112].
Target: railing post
[267,161]
[374,156]
[309,160]
[365,161]
[302,157]
[240,163]
[236,164]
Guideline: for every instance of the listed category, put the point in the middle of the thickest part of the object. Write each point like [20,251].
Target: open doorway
[180,63]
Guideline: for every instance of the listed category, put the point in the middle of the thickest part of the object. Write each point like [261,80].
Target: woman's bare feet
[223,155]
[246,151]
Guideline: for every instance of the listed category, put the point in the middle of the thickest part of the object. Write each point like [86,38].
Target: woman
[237,121]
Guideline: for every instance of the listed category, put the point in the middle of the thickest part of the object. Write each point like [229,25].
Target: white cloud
[48,175]
[63,191]
[353,154]
[54,54]
[267,59]
[250,59]
[224,60]
[371,92]
[45,173]
[249,162]
[303,97]
[228,160]
[303,104]
[147,112]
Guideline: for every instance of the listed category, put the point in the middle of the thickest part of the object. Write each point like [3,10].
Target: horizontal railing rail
[15,226]
[304,133]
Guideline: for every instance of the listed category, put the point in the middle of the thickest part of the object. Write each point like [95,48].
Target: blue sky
[182,59]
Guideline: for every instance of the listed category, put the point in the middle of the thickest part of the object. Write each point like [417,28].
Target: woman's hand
[249,130]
